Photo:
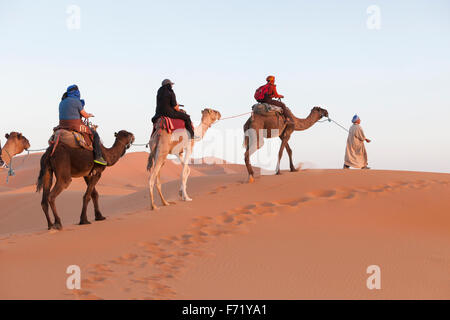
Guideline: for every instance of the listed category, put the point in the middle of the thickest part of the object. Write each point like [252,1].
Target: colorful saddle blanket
[168,124]
[71,138]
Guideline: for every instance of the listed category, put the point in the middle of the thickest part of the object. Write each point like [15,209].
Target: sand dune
[303,235]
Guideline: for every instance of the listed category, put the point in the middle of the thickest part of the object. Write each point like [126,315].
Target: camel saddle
[80,128]
[70,138]
[168,124]
[265,109]
[164,123]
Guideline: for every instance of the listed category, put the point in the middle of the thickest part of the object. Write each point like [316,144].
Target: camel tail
[45,168]
[150,161]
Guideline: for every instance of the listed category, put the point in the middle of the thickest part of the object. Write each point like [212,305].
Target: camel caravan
[75,149]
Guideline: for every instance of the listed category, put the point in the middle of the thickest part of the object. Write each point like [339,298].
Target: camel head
[16,143]
[209,116]
[322,112]
[124,137]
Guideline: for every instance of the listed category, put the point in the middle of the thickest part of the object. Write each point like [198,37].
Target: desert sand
[305,235]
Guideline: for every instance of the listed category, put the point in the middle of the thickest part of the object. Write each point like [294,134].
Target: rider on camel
[71,109]
[166,105]
[267,93]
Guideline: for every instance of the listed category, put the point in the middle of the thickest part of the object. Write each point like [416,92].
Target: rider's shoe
[346,167]
[101,161]
[2,164]
[365,168]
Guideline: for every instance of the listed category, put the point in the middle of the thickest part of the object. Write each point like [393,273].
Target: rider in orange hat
[269,94]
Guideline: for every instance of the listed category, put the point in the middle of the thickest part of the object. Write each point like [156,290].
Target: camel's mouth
[130,141]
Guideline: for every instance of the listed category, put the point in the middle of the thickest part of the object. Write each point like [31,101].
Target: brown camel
[259,127]
[16,143]
[67,163]
[175,143]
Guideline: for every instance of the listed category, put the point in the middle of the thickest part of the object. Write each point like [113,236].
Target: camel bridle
[126,145]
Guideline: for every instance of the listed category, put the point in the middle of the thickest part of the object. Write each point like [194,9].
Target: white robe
[356,154]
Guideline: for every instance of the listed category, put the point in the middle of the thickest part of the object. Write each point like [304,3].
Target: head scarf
[74,92]
[355,118]
[270,79]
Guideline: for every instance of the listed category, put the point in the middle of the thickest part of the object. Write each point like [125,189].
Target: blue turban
[73,92]
[355,118]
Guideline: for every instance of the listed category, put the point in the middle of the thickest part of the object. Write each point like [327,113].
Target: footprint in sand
[296,202]
[377,189]
[225,218]
[264,211]
[344,194]
[323,193]
[218,189]
[126,259]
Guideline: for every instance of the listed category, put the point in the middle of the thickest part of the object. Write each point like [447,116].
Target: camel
[175,143]
[259,127]
[16,143]
[67,163]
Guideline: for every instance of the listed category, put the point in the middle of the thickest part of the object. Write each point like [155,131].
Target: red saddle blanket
[168,124]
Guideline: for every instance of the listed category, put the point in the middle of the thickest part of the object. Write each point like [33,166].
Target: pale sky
[396,78]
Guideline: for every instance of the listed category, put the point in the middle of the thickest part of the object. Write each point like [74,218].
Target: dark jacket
[165,103]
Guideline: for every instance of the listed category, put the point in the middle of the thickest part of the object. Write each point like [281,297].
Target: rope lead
[236,116]
[331,120]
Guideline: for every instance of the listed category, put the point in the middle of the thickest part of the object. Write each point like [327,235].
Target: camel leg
[158,187]
[248,164]
[151,182]
[95,196]
[47,184]
[98,214]
[284,136]
[280,155]
[180,158]
[91,182]
[61,184]
[252,145]
[291,163]
[160,158]
[185,174]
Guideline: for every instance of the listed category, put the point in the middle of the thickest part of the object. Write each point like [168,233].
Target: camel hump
[266,109]
[70,138]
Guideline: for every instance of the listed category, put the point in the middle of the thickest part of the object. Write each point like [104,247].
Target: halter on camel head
[129,135]
[323,112]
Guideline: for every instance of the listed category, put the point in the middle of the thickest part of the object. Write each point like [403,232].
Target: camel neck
[113,154]
[201,129]
[7,154]
[303,124]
